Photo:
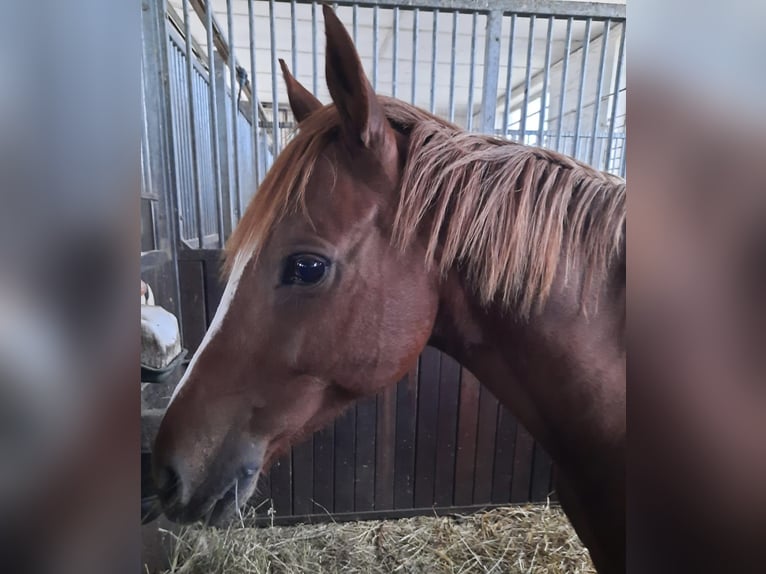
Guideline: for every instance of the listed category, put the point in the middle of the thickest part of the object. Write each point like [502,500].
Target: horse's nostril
[167,484]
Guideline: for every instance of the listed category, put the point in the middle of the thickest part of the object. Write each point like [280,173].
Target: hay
[533,538]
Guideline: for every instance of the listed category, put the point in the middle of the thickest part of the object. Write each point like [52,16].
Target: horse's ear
[364,121]
[302,102]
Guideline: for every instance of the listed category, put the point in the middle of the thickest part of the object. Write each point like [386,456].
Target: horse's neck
[561,373]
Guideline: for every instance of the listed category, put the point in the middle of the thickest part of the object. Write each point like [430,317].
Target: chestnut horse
[381,229]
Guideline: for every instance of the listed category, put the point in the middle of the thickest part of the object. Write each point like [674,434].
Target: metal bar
[213,111]
[452,68]
[223,143]
[546,78]
[256,135]
[616,95]
[527,80]
[434,56]
[415,23]
[178,134]
[599,89]
[178,23]
[472,72]
[221,45]
[234,112]
[395,65]
[314,48]
[564,78]
[508,75]
[155,230]
[274,75]
[541,8]
[581,93]
[192,125]
[161,160]
[491,71]
[146,185]
[375,48]
[181,140]
[623,160]
[355,24]
[294,37]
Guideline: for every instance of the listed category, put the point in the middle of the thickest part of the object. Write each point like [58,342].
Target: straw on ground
[518,539]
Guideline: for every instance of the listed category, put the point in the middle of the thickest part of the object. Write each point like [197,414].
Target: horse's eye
[304,269]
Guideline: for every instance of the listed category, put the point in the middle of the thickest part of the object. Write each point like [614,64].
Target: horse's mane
[504,212]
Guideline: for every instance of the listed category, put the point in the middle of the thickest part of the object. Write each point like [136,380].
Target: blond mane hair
[504,213]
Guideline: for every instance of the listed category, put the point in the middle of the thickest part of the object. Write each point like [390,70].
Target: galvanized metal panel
[434,58]
[234,127]
[616,96]
[564,78]
[541,8]
[160,158]
[491,71]
[254,111]
[214,129]
[599,89]
[453,63]
[509,76]
[276,137]
[293,37]
[192,125]
[414,85]
[546,78]
[375,48]
[315,49]
[472,72]
[517,98]
[581,93]
[527,79]
[395,53]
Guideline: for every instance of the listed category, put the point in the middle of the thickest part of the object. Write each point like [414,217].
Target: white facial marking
[240,263]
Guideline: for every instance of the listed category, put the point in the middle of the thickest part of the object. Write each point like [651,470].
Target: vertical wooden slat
[404,453]
[213,286]
[541,475]
[191,278]
[522,466]
[505,447]
[385,445]
[485,447]
[364,478]
[345,439]
[446,431]
[303,478]
[324,469]
[552,487]
[465,457]
[428,403]
[147,225]
[262,494]
[282,485]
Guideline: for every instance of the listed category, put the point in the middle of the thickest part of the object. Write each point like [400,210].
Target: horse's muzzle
[211,503]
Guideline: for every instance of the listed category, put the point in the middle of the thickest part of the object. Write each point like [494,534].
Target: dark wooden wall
[437,440]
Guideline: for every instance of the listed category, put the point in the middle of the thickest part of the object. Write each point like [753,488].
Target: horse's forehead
[337,197]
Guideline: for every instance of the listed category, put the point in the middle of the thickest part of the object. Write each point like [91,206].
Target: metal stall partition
[548,73]
[545,72]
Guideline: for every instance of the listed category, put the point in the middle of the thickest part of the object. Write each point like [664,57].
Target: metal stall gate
[549,73]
